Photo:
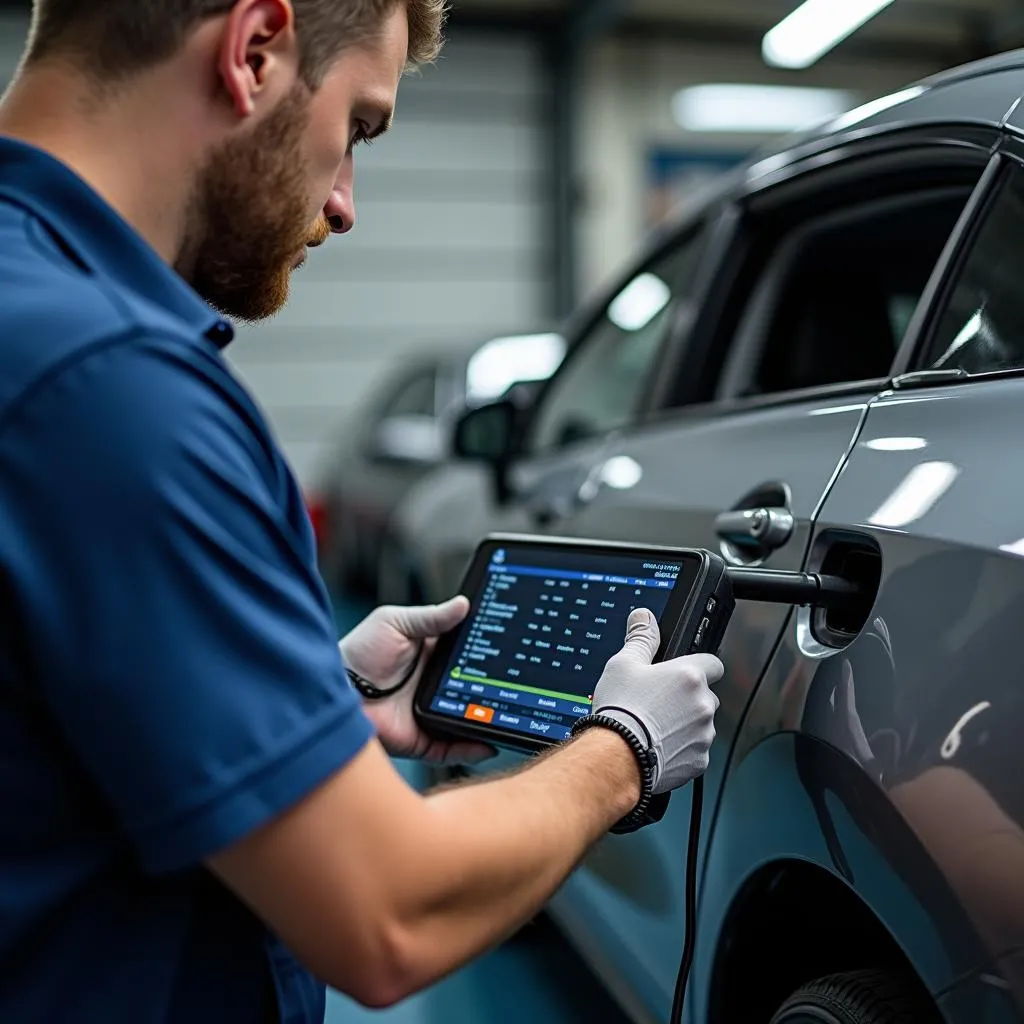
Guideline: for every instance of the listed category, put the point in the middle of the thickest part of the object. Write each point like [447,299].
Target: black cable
[780,586]
[690,899]
[774,587]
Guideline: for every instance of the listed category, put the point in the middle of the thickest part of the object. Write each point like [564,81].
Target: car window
[981,330]
[417,396]
[599,387]
[837,295]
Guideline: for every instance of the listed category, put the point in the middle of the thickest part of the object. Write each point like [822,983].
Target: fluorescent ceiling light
[765,109]
[814,28]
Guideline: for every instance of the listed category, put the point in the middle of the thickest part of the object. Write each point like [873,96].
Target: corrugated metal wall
[450,243]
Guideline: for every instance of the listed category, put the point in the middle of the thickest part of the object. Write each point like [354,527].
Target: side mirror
[412,439]
[487,433]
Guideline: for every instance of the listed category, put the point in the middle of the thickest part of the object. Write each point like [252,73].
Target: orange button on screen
[480,714]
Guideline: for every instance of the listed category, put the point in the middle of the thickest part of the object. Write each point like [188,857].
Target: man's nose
[340,211]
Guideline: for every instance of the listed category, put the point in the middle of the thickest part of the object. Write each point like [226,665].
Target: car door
[600,389]
[826,274]
[934,706]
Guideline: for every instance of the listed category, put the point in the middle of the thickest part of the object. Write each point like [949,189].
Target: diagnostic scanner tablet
[546,615]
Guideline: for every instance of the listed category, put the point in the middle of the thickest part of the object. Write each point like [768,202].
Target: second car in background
[400,432]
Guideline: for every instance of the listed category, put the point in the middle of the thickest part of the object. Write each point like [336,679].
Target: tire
[860,997]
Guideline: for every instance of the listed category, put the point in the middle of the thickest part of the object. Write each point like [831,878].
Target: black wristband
[371,691]
[649,808]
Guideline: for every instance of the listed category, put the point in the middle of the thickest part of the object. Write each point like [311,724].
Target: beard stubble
[248,219]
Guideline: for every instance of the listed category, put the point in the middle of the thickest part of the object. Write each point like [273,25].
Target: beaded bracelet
[649,808]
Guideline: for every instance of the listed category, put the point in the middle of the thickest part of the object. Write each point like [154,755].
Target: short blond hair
[115,38]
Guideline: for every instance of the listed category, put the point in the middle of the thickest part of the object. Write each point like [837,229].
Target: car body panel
[775,802]
[936,675]
[981,999]
[632,887]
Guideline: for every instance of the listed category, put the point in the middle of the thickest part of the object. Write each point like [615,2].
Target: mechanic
[200,821]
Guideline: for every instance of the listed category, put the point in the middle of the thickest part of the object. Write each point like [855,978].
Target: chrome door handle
[755,530]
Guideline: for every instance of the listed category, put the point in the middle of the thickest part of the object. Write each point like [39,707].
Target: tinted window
[982,328]
[836,298]
[599,387]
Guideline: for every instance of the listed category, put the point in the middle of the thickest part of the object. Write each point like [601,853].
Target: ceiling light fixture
[814,28]
[762,109]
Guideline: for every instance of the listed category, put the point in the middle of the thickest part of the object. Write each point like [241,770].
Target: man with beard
[198,818]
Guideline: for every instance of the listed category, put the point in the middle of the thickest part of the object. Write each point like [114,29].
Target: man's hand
[669,707]
[381,649]
[381,891]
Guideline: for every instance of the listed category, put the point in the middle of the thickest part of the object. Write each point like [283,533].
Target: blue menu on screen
[540,632]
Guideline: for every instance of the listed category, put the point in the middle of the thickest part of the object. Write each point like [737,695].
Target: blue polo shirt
[169,674]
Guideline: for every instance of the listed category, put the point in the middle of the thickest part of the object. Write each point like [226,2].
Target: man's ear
[259,53]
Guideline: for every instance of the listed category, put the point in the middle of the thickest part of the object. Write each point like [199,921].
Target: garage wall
[450,244]
[13,32]
[628,109]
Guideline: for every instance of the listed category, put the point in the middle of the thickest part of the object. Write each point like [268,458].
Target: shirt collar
[99,237]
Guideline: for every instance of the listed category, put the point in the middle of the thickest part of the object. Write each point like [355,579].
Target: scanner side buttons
[702,630]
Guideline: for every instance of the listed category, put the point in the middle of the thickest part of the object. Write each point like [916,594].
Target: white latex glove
[668,707]
[381,649]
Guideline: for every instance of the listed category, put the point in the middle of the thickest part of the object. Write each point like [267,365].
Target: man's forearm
[503,847]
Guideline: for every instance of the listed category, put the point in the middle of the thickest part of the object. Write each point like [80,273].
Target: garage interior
[524,171]
[525,174]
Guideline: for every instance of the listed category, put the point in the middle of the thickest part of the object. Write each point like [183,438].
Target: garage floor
[534,978]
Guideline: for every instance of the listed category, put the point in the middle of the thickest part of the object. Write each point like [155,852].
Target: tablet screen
[542,626]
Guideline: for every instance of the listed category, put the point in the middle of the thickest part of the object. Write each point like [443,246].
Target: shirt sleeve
[175,623]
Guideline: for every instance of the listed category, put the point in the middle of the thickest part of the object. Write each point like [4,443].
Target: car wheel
[860,997]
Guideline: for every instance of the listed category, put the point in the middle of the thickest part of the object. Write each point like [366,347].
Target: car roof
[981,92]
[999,62]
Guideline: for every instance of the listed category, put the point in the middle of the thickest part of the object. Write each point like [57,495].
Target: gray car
[395,436]
[836,337]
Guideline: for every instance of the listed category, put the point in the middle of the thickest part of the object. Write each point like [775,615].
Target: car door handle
[756,529]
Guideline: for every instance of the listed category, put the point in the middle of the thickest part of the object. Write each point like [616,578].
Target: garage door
[450,244]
